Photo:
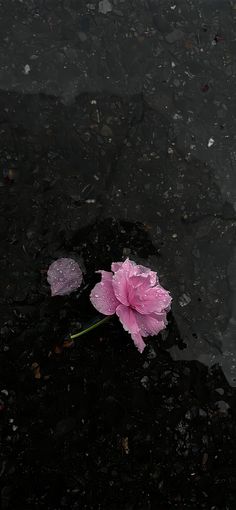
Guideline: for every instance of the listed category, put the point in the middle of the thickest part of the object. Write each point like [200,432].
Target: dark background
[117,138]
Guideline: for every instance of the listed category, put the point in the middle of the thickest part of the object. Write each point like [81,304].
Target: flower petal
[120,286]
[116,266]
[152,300]
[138,342]
[151,324]
[64,276]
[102,296]
[128,320]
[139,270]
[151,275]
[128,266]
[106,275]
[122,280]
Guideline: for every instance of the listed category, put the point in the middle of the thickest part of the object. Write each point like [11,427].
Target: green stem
[90,328]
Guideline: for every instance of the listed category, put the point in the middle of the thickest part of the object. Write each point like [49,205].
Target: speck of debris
[184,300]
[27,69]
[211,142]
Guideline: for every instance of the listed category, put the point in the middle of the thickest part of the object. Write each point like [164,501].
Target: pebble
[151,353]
[220,391]
[223,406]
[211,142]
[27,69]
[145,381]
[104,7]
[184,300]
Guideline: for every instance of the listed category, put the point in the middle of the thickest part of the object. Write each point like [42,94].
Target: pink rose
[133,292]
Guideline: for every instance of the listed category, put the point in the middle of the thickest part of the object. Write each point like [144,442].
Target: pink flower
[133,292]
[64,276]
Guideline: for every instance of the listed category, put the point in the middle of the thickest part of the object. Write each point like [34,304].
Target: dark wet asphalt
[124,110]
[172,159]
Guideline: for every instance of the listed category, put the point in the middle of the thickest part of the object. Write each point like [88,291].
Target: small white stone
[177,116]
[211,142]
[145,381]
[27,69]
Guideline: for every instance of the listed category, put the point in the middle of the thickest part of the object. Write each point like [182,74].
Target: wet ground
[118,139]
